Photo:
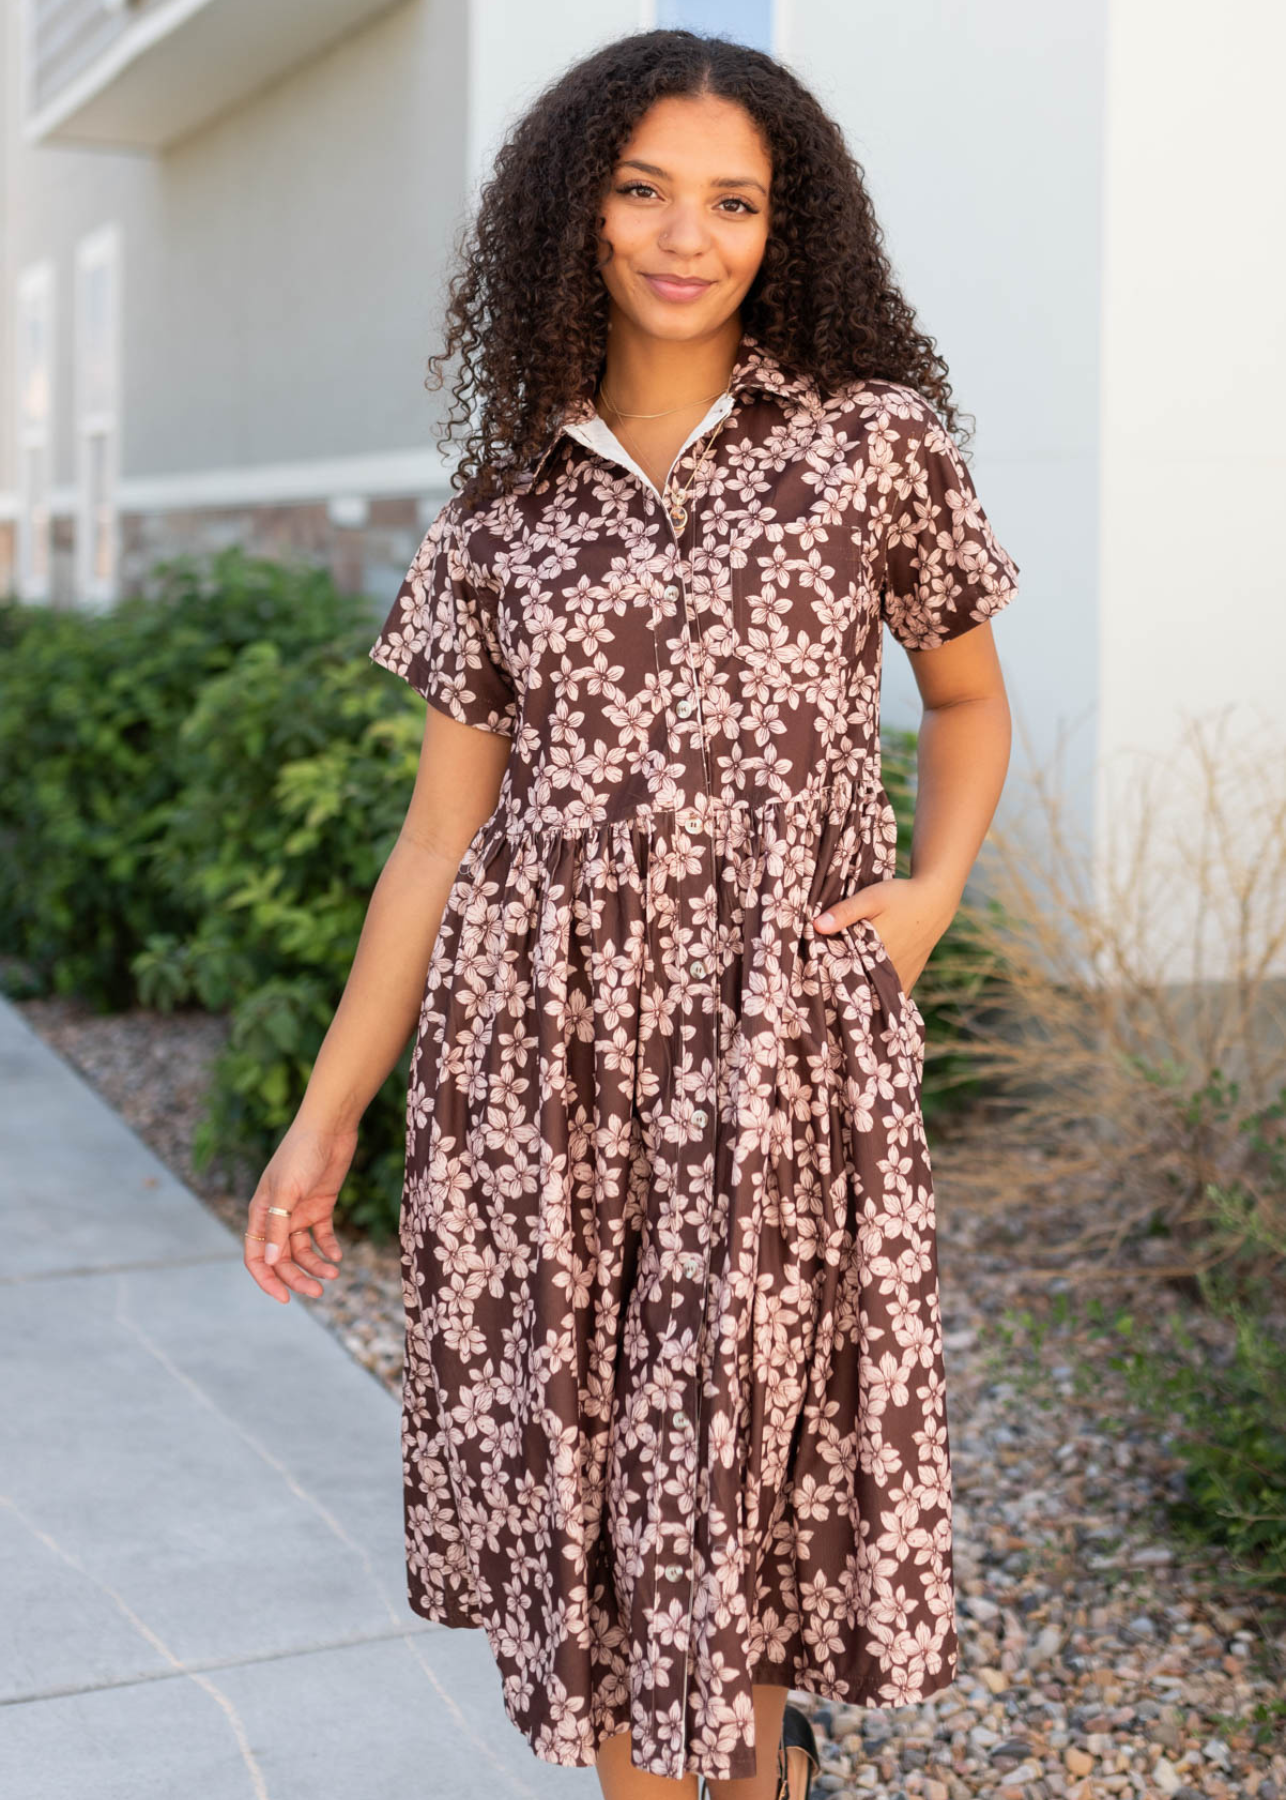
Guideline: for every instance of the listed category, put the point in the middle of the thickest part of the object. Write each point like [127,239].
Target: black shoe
[798,1745]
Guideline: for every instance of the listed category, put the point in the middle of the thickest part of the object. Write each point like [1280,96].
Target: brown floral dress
[674,1415]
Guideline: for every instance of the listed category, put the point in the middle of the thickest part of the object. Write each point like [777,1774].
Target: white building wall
[1192,592]
[294,261]
[515,49]
[979,132]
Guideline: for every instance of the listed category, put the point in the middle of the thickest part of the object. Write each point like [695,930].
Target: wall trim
[387,474]
[382,473]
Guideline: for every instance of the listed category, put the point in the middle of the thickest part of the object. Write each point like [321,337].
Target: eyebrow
[721,181]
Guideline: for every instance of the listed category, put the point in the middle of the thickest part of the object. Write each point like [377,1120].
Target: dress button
[692,1267]
[673,1571]
[684,707]
[671,593]
[691,821]
[699,969]
[699,1117]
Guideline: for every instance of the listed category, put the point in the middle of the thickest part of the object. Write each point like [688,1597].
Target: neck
[646,374]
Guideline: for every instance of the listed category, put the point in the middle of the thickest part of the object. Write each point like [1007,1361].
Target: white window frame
[99,250]
[36,291]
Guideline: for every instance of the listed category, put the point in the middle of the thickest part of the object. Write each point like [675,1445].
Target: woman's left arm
[962,759]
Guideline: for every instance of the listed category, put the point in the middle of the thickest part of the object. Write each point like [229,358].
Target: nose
[682,230]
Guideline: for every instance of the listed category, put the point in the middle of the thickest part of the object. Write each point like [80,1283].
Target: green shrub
[294,771]
[90,708]
[1228,1432]
[197,792]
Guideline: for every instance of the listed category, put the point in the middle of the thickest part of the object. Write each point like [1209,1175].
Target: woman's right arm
[456,788]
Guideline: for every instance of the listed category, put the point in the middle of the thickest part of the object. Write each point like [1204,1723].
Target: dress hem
[806,1682]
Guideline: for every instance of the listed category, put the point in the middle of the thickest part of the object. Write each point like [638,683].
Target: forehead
[685,136]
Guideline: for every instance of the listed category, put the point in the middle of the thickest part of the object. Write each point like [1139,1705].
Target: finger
[310,1223]
[270,1283]
[839,913]
[849,909]
[297,1278]
[326,1241]
[284,1276]
[259,1232]
[314,1213]
[276,1229]
[265,1234]
[304,1254]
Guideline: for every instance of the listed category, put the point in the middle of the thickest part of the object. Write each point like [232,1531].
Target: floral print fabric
[674,1415]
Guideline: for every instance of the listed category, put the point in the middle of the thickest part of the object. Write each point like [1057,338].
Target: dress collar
[755,370]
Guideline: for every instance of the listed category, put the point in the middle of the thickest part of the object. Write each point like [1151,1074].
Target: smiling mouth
[688,281]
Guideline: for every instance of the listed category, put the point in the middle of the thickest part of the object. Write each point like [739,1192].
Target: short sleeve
[440,634]
[943,570]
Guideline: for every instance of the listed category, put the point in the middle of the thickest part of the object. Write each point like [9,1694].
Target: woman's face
[687,198]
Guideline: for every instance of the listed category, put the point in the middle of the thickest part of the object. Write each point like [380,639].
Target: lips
[672,287]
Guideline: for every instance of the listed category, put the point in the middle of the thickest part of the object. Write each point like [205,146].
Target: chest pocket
[795,596]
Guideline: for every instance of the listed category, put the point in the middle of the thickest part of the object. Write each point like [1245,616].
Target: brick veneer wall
[363,559]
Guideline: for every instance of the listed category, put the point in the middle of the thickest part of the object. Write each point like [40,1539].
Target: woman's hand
[909,912]
[304,1178]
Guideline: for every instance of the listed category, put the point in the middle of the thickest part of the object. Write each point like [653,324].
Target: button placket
[689,700]
[676,1472]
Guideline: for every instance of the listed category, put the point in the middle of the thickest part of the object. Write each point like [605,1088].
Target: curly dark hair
[823,300]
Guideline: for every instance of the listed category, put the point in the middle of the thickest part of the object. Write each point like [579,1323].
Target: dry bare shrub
[1126,1013]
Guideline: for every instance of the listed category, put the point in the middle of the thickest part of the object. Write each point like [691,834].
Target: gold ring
[255,1234]
[282,1212]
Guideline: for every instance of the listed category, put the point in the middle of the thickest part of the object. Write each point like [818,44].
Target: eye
[645,187]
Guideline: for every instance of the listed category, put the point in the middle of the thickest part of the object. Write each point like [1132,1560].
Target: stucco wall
[1193,596]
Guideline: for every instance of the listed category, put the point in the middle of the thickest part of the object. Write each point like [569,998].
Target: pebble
[1091,1648]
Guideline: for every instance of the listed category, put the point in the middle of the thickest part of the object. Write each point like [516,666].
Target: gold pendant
[680,517]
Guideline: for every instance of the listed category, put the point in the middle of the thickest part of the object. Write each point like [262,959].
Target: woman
[674,1416]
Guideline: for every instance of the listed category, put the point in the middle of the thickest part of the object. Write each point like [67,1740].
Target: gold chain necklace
[676,508]
[659,415]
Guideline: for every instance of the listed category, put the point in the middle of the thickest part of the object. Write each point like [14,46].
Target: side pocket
[876,942]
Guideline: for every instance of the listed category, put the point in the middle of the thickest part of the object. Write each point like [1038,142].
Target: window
[746,21]
[97,388]
[34,385]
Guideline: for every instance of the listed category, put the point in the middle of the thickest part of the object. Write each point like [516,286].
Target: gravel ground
[1097,1656]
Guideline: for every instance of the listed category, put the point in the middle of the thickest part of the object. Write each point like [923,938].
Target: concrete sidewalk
[202,1592]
